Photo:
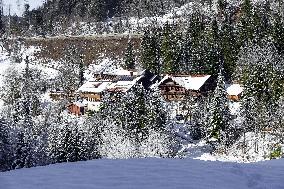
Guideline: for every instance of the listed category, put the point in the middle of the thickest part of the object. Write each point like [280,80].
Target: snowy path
[148,173]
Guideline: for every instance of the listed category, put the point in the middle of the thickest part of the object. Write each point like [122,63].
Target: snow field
[148,173]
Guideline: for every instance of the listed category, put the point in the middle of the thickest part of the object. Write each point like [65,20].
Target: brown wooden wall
[76,110]
[96,97]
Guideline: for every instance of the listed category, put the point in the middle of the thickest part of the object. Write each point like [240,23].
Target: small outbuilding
[77,108]
[234,91]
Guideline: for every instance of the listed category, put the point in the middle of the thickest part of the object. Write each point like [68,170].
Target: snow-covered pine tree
[228,46]
[93,127]
[69,77]
[129,62]
[27,107]
[261,66]
[5,146]
[199,117]
[145,50]
[64,147]
[185,66]
[262,22]
[150,50]
[278,30]
[53,150]
[245,25]
[219,121]
[196,29]
[81,70]
[75,151]
[23,151]
[155,110]
[169,50]
[212,50]
[10,92]
[136,123]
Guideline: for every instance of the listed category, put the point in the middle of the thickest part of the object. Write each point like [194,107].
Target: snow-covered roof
[120,83]
[123,85]
[79,104]
[191,82]
[123,72]
[234,89]
[94,86]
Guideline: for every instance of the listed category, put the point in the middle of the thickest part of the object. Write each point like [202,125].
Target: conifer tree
[199,44]
[222,6]
[156,114]
[2,26]
[28,106]
[5,147]
[219,120]
[93,131]
[81,71]
[185,66]
[213,50]
[23,152]
[169,50]
[11,88]
[246,22]
[64,147]
[70,72]
[150,51]
[129,62]
[228,47]
[278,30]
[77,148]
[261,68]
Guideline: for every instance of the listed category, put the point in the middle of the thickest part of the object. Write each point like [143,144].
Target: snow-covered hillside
[148,173]
[7,62]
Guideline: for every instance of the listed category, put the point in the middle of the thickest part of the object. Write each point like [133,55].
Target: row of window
[181,89]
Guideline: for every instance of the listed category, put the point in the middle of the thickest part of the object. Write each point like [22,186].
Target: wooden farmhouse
[92,92]
[176,87]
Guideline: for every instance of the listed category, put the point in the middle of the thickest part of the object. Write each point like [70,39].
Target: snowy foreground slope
[148,173]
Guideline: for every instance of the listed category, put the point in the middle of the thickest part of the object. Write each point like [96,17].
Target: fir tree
[150,51]
[23,155]
[2,26]
[185,66]
[81,71]
[5,147]
[246,22]
[199,44]
[278,30]
[169,49]
[228,47]
[219,121]
[129,62]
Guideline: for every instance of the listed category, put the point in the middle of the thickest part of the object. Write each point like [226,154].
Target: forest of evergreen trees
[35,134]
[206,42]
